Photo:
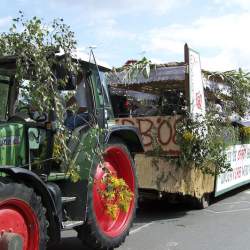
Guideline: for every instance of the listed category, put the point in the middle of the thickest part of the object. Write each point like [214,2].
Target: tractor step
[68,199]
[67,225]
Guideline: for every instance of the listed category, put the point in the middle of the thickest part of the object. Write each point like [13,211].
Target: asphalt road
[225,225]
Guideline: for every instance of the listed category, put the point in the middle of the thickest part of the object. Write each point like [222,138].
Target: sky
[158,29]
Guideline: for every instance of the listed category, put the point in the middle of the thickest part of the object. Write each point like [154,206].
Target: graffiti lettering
[145,127]
[159,128]
[168,134]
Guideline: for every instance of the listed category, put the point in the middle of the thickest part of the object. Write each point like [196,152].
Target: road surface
[225,225]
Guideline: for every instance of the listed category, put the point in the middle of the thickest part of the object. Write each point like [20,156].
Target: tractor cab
[26,133]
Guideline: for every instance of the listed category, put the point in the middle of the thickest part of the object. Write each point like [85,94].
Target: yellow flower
[188,136]
[245,131]
[117,195]
[112,210]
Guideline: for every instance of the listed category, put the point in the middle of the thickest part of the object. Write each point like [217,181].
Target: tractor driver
[81,117]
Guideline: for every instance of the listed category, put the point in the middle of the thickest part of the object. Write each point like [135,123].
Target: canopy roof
[8,64]
[162,77]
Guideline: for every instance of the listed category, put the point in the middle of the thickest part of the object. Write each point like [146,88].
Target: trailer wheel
[22,213]
[100,230]
[203,202]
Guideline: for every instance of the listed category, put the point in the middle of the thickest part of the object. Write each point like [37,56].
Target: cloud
[5,21]
[163,43]
[22,2]
[120,7]
[243,4]
[223,61]
[108,28]
[106,20]
[226,35]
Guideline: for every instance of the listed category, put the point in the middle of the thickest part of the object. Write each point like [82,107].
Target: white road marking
[227,211]
[140,228]
[172,244]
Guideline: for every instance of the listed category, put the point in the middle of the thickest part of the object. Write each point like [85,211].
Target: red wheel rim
[118,163]
[16,216]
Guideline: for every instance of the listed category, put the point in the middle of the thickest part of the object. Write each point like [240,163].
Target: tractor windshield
[4,91]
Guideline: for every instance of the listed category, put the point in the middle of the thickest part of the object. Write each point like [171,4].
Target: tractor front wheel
[101,231]
[22,214]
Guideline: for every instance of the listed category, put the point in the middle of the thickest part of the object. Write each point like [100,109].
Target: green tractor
[37,198]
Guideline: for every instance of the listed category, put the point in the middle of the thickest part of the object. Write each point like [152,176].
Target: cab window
[4,92]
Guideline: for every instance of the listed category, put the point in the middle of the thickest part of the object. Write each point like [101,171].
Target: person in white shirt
[81,117]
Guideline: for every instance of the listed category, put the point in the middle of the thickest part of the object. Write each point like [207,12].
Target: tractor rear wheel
[22,213]
[101,231]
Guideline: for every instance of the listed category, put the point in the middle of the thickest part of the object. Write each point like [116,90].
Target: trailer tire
[25,213]
[99,232]
[203,202]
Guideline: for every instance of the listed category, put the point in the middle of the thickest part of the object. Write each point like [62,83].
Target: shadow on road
[150,211]
[69,243]
[159,210]
[146,213]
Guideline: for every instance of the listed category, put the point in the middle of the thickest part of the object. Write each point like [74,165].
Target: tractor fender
[32,180]
[130,135]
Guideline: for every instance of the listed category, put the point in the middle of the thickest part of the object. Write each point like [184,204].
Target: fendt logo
[9,141]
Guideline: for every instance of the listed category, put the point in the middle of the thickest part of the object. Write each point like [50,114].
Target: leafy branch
[238,83]
[131,70]
[35,46]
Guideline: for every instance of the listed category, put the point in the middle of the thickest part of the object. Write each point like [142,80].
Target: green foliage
[245,134]
[132,70]
[238,91]
[35,45]
[202,142]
